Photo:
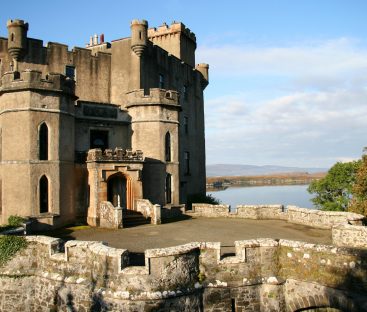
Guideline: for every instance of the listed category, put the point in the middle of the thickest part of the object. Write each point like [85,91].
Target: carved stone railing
[149,210]
[119,154]
[109,216]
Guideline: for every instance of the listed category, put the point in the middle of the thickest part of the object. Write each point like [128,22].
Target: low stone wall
[263,275]
[260,212]
[349,235]
[322,219]
[292,214]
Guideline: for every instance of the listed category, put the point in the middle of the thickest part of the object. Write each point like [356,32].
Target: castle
[102,126]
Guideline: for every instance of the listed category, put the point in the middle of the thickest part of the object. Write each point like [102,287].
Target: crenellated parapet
[273,275]
[167,30]
[176,39]
[155,96]
[116,155]
[33,80]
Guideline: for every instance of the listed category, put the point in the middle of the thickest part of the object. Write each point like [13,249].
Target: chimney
[101,38]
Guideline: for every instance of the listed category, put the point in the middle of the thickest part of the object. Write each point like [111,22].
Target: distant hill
[220,170]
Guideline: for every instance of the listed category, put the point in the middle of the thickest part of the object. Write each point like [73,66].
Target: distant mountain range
[220,170]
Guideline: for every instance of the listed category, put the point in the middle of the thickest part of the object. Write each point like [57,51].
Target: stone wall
[349,235]
[263,275]
[292,214]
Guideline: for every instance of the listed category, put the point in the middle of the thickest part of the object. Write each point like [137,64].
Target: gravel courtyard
[226,231]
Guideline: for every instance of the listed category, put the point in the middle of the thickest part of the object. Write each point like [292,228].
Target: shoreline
[213,183]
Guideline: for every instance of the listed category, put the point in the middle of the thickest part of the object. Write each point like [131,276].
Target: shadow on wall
[346,290]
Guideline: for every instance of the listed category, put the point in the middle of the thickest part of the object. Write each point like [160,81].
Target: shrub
[15,221]
[202,199]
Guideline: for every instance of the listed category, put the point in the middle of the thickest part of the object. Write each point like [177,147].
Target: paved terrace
[223,230]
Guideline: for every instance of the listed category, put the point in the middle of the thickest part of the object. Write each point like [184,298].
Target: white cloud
[297,128]
[311,111]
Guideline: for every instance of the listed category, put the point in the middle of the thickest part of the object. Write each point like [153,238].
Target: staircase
[131,218]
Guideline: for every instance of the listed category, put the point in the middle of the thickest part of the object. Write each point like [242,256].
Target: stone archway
[117,190]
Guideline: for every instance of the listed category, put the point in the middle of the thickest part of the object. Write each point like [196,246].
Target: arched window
[43,192]
[167,146]
[43,142]
[168,188]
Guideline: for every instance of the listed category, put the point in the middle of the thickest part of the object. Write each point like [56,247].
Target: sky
[288,79]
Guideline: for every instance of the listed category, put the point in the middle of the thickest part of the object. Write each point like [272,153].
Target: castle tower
[175,39]
[17,40]
[154,125]
[139,36]
[37,140]
[204,70]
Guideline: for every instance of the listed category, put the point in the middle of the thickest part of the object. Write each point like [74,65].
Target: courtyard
[224,230]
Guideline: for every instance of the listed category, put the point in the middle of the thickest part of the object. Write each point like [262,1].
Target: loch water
[256,195]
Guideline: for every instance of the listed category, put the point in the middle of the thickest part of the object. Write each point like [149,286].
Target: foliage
[359,202]
[202,199]
[334,191]
[9,246]
[15,221]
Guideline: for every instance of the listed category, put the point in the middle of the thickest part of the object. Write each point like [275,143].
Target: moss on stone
[9,246]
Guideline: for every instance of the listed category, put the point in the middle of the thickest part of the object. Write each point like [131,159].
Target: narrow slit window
[43,192]
[187,162]
[161,81]
[43,142]
[167,144]
[168,188]
[186,124]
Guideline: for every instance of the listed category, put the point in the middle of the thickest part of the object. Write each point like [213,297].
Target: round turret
[17,38]
[204,70]
[139,36]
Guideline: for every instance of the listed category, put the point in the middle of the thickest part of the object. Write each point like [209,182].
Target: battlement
[279,271]
[32,79]
[175,27]
[17,22]
[155,96]
[117,155]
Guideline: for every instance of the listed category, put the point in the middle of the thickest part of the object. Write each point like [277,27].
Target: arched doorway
[116,190]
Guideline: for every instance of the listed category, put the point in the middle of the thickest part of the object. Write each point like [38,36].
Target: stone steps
[132,218]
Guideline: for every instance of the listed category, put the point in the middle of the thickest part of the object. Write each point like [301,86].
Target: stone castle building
[114,122]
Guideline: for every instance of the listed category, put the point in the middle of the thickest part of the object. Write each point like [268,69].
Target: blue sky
[288,79]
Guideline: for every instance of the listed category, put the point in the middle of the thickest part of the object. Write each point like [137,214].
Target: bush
[9,246]
[202,199]
[15,221]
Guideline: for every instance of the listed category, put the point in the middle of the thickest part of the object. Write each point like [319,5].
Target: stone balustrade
[116,155]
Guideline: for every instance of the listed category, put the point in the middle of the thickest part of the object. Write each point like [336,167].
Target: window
[161,81]
[167,146]
[43,192]
[187,162]
[168,188]
[184,92]
[99,139]
[43,142]
[186,124]
[70,72]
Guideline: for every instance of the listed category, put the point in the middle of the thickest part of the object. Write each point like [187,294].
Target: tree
[359,190]
[334,191]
